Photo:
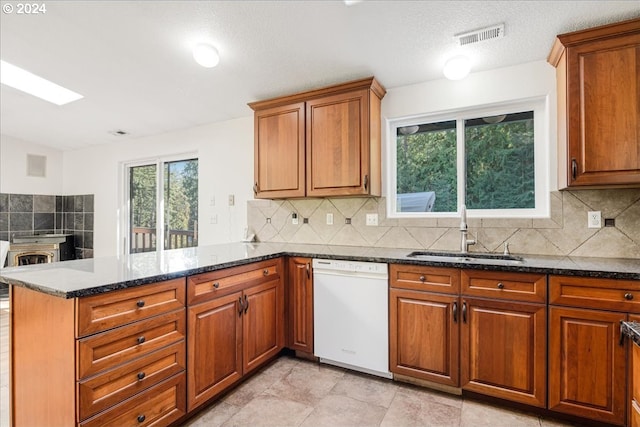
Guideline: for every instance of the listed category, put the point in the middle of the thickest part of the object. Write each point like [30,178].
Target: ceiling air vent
[119,132]
[476,36]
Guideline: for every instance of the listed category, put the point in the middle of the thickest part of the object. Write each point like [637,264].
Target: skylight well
[25,81]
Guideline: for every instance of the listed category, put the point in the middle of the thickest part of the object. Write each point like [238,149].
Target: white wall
[225,166]
[13,168]
[530,80]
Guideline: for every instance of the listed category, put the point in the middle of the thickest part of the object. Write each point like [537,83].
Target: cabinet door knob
[628,296]
[500,285]
[422,278]
[140,303]
[216,285]
[265,272]
[141,339]
[366,182]
[141,418]
[141,375]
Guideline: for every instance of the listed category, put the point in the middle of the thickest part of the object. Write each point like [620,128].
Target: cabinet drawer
[207,286]
[104,390]
[105,311]
[158,406]
[605,294]
[501,285]
[109,349]
[433,279]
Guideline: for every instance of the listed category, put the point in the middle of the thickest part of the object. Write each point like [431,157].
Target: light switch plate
[594,219]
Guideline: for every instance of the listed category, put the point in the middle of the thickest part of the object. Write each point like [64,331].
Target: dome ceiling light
[206,55]
[457,68]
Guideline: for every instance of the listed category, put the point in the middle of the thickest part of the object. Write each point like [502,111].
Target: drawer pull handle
[141,418]
[265,272]
[140,303]
[141,339]
[216,285]
[422,278]
[628,296]
[500,285]
[141,375]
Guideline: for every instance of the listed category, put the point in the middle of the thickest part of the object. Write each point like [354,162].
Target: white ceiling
[132,62]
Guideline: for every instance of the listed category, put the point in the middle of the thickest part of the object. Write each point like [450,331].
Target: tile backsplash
[26,214]
[564,233]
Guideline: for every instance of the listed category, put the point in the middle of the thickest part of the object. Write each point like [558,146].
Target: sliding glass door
[162,205]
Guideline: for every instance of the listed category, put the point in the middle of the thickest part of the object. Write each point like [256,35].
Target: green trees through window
[498,161]
[179,199]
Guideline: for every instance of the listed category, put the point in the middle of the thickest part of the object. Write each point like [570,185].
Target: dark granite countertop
[632,330]
[70,279]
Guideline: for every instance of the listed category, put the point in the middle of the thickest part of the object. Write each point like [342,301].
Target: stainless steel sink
[469,256]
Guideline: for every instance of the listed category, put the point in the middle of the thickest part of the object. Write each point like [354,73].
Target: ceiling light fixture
[206,55]
[25,81]
[457,68]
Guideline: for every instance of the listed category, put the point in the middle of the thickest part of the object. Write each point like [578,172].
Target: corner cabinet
[598,86]
[320,143]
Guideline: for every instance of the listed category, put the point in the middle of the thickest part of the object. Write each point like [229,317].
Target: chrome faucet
[464,242]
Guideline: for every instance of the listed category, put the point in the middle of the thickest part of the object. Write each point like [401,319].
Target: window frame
[125,216]
[540,108]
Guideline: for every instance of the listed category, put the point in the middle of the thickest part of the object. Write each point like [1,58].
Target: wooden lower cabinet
[634,379]
[503,350]
[587,364]
[300,304]
[234,332]
[424,335]
[214,347]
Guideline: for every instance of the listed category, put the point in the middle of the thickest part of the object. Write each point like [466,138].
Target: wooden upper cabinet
[324,142]
[598,77]
[279,152]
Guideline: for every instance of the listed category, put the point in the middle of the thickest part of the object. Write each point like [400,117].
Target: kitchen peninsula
[114,341]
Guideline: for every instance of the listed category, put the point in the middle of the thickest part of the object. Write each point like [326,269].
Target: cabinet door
[634,375]
[587,364]
[338,145]
[300,307]
[263,323]
[424,335]
[214,347]
[503,350]
[279,158]
[604,111]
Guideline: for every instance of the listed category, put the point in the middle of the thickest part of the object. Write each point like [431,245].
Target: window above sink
[494,160]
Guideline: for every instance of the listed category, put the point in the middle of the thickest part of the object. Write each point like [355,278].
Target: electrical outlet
[594,219]
[329,219]
[214,219]
[372,219]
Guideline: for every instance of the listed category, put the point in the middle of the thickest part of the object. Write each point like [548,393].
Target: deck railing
[143,239]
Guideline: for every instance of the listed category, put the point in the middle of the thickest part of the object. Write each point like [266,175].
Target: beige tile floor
[295,392]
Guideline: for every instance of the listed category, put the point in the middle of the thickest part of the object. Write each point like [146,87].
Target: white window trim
[540,107]
[124,211]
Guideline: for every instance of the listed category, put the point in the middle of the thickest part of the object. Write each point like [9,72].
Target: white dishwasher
[351,315]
